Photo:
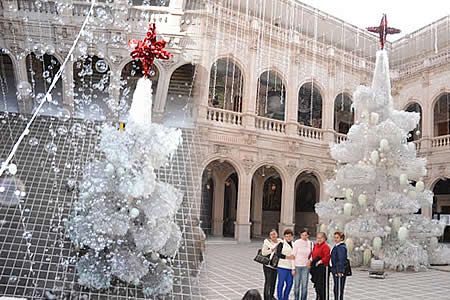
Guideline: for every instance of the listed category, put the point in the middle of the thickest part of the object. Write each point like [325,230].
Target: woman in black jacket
[338,264]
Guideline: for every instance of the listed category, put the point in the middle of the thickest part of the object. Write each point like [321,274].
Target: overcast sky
[403,14]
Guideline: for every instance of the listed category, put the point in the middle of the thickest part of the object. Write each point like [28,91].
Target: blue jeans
[284,278]
[301,282]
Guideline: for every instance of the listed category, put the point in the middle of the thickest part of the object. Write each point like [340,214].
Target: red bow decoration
[149,49]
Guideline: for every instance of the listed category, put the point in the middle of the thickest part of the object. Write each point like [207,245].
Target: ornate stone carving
[291,168]
[250,139]
[294,146]
[221,149]
[248,163]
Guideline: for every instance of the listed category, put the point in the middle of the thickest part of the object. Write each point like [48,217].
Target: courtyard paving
[229,271]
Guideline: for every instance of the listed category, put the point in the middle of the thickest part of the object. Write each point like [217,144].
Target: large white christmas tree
[373,198]
[124,220]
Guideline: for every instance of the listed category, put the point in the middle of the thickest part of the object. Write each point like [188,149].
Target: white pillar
[218,204]
[160,94]
[68,87]
[287,205]
[258,189]
[242,226]
[292,98]
[250,89]
[25,105]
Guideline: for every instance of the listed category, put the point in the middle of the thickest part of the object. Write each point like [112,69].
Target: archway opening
[91,78]
[267,189]
[226,85]
[309,106]
[129,76]
[344,114]
[441,205]
[7,84]
[40,73]
[442,115]
[220,184]
[271,96]
[416,133]
[307,194]
[179,109]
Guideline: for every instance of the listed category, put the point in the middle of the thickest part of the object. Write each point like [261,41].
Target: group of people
[298,261]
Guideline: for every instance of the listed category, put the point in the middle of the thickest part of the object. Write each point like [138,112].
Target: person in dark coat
[338,264]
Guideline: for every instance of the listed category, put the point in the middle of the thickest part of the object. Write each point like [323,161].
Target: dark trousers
[322,284]
[270,276]
[339,284]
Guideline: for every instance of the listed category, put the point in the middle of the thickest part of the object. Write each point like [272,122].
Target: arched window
[442,115]
[344,115]
[271,96]
[8,84]
[128,79]
[417,132]
[91,84]
[310,106]
[226,85]
[272,193]
[40,72]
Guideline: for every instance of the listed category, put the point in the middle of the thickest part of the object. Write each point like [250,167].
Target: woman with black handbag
[340,266]
[270,272]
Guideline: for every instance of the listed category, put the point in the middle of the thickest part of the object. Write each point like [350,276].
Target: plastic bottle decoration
[377,243]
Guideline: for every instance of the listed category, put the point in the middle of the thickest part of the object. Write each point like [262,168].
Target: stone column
[25,105]
[160,94]
[176,4]
[427,127]
[287,214]
[68,87]
[258,189]
[292,97]
[218,204]
[242,225]
[250,88]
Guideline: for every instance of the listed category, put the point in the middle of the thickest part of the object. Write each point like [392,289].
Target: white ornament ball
[348,209]
[374,118]
[387,229]
[403,179]
[412,194]
[12,169]
[403,234]
[377,243]
[418,133]
[134,213]
[384,145]
[420,186]
[367,256]
[374,157]
[362,200]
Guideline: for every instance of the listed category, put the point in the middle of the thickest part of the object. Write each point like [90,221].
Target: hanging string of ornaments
[372,197]
[124,221]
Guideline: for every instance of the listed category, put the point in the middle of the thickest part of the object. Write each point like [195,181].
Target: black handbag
[348,268]
[274,261]
[262,259]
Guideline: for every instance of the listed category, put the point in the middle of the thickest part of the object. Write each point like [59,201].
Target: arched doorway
[441,120]
[129,76]
[267,189]
[226,85]
[220,183]
[441,205]
[344,114]
[40,72]
[310,105]
[307,194]
[91,78]
[179,107]
[7,84]
[271,96]
[416,133]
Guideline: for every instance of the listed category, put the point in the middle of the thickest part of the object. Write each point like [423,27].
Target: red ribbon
[149,49]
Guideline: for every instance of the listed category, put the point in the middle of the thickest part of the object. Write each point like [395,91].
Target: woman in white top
[302,252]
[270,273]
[286,268]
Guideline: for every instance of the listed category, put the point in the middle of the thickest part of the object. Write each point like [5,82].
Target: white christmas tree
[124,221]
[373,199]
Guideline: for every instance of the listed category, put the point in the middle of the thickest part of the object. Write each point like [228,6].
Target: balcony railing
[224,116]
[309,132]
[339,137]
[440,141]
[47,7]
[270,124]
